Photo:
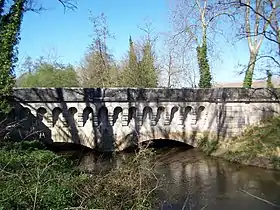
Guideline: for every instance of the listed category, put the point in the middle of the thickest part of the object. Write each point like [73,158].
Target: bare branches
[261,22]
[33,6]
[267,11]
[148,29]
[68,4]
[98,67]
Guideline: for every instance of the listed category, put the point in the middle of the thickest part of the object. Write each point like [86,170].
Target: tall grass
[32,177]
[258,145]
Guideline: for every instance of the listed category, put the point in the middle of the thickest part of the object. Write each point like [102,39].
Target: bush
[35,178]
[32,177]
[132,186]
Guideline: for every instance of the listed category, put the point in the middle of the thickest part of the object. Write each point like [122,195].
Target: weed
[32,177]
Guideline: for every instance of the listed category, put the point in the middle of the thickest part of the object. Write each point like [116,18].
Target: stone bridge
[117,118]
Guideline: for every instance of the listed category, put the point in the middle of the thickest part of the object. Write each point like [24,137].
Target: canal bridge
[118,118]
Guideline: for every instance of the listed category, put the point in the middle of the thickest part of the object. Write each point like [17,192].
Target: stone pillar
[125,117]
[80,119]
[48,121]
[193,116]
[139,117]
[153,120]
[110,118]
[181,116]
[95,120]
[167,117]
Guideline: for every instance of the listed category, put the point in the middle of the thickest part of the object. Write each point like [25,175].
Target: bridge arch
[87,115]
[117,115]
[56,115]
[160,117]
[40,113]
[71,118]
[174,114]
[162,142]
[103,116]
[26,112]
[147,115]
[200,111]
[132,115]
[187,112]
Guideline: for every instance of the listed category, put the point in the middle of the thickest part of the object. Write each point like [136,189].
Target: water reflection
[195,181]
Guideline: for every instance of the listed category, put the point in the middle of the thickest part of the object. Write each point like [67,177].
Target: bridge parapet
[116,118]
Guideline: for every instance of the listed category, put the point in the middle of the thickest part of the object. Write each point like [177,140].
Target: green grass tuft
[32,177]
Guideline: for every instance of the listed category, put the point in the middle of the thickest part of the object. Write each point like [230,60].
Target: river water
[196,181]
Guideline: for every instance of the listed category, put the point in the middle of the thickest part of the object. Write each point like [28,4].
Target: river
[196,181]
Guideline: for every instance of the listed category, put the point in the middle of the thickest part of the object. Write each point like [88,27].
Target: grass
[207,145]
[258,145]
[32,177]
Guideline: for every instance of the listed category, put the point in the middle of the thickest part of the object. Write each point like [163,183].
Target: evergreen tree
[148,77]
[204,69]
[10,24]
[131,71]
[133,63]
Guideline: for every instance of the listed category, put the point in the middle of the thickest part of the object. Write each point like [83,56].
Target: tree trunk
[248,79]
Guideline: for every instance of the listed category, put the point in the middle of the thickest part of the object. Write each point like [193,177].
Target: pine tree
[148,75]
[130,73]
[132,63]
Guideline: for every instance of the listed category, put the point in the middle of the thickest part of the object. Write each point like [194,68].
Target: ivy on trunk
[204,69]
[10,23]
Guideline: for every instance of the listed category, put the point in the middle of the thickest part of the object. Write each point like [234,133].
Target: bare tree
[255,18]
[195,24]
[169,71]
[98,68]
[269,14]
[149,37]
[261,21]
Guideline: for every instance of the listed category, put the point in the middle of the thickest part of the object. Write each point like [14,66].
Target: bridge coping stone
[216,95]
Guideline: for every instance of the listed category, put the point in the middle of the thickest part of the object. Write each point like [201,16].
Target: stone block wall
[116,118]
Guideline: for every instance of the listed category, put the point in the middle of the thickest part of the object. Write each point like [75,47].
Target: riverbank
[258,145]
[33,177]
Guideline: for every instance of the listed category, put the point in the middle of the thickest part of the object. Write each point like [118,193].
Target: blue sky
[68,34]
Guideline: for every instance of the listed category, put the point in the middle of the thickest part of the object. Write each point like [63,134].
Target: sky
[67,34]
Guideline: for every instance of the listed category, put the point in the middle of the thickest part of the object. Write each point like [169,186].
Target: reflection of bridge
[117,118]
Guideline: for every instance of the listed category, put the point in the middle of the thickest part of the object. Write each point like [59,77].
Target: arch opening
[199,113]
[117,114]
[41,113]
[72,111]
[165,143]
[132,113]
[55,114]
[147,114]
[187,112]
[160,115]
[87,115]
[173,113]
[103,116]
[25,113]
[71,147]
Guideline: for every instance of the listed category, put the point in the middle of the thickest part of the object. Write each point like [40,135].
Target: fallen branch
[261,199]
